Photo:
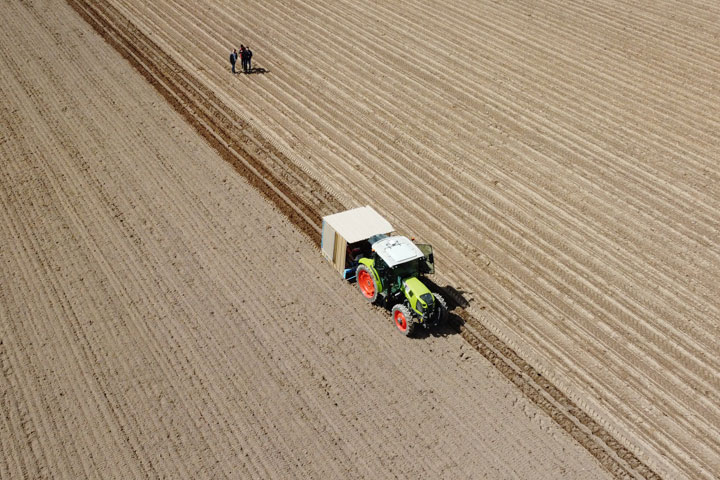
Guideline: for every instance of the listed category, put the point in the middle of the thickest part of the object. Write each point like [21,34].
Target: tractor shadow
[449,328]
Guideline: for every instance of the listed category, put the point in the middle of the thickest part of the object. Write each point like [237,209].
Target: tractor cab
[403,256]
[398,263]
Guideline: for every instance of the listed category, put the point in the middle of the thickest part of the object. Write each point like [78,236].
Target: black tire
[441,309]
[366,283]
[404,321]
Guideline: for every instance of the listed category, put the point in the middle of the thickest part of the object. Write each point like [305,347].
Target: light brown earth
[159,317]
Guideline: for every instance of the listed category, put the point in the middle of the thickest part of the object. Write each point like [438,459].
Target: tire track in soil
[232,138]
[86,349]
[630,362]
[45,310]
[250,155]
[131,15]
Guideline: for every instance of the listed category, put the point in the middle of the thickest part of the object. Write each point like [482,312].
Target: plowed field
[164,315]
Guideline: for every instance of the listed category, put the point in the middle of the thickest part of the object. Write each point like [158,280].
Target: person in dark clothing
[233,59]
[248,54]
[242,57]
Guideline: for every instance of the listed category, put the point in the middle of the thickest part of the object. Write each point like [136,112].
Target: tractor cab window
[427,264]
[380,264]
[407,269]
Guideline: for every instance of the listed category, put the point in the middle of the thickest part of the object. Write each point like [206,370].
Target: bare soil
[560,157]
[159,317]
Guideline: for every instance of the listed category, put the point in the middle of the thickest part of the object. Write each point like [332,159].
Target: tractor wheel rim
[366,284]
[400,321]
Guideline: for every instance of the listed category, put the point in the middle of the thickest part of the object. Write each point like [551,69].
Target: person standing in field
[248,54]
[233,59]
[244,60]
[242,57]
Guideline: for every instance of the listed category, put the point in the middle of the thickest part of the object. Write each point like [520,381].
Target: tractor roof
[358,224]
[397,250]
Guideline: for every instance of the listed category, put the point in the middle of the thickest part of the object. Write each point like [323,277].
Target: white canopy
[358,224]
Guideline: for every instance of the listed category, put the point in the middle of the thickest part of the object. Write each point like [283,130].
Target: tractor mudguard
[370,263]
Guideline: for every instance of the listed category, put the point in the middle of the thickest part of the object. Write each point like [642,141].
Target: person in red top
[242,57]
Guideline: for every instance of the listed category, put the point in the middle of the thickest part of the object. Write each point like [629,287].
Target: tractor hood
[396,250]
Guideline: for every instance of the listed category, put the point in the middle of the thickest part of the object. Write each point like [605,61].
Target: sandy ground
[561,156]
[160,318]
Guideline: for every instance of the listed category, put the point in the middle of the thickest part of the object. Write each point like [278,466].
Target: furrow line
[460,14]
[38,209]
[94,249]
[247,165]
[40,296]
[189,308]
[13,459]
[672,200]
[102,26]
[509,46]
[78,336]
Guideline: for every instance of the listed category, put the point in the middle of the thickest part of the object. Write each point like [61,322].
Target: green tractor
[388,269]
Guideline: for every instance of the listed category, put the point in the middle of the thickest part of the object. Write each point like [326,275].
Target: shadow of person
[258,70]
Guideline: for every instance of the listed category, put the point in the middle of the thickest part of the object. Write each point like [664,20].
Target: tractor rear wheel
[441,309]
[404,320]
[366,283]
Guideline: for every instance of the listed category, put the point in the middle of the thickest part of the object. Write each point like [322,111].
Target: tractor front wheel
[441,311]
[404,320]
[366,283]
